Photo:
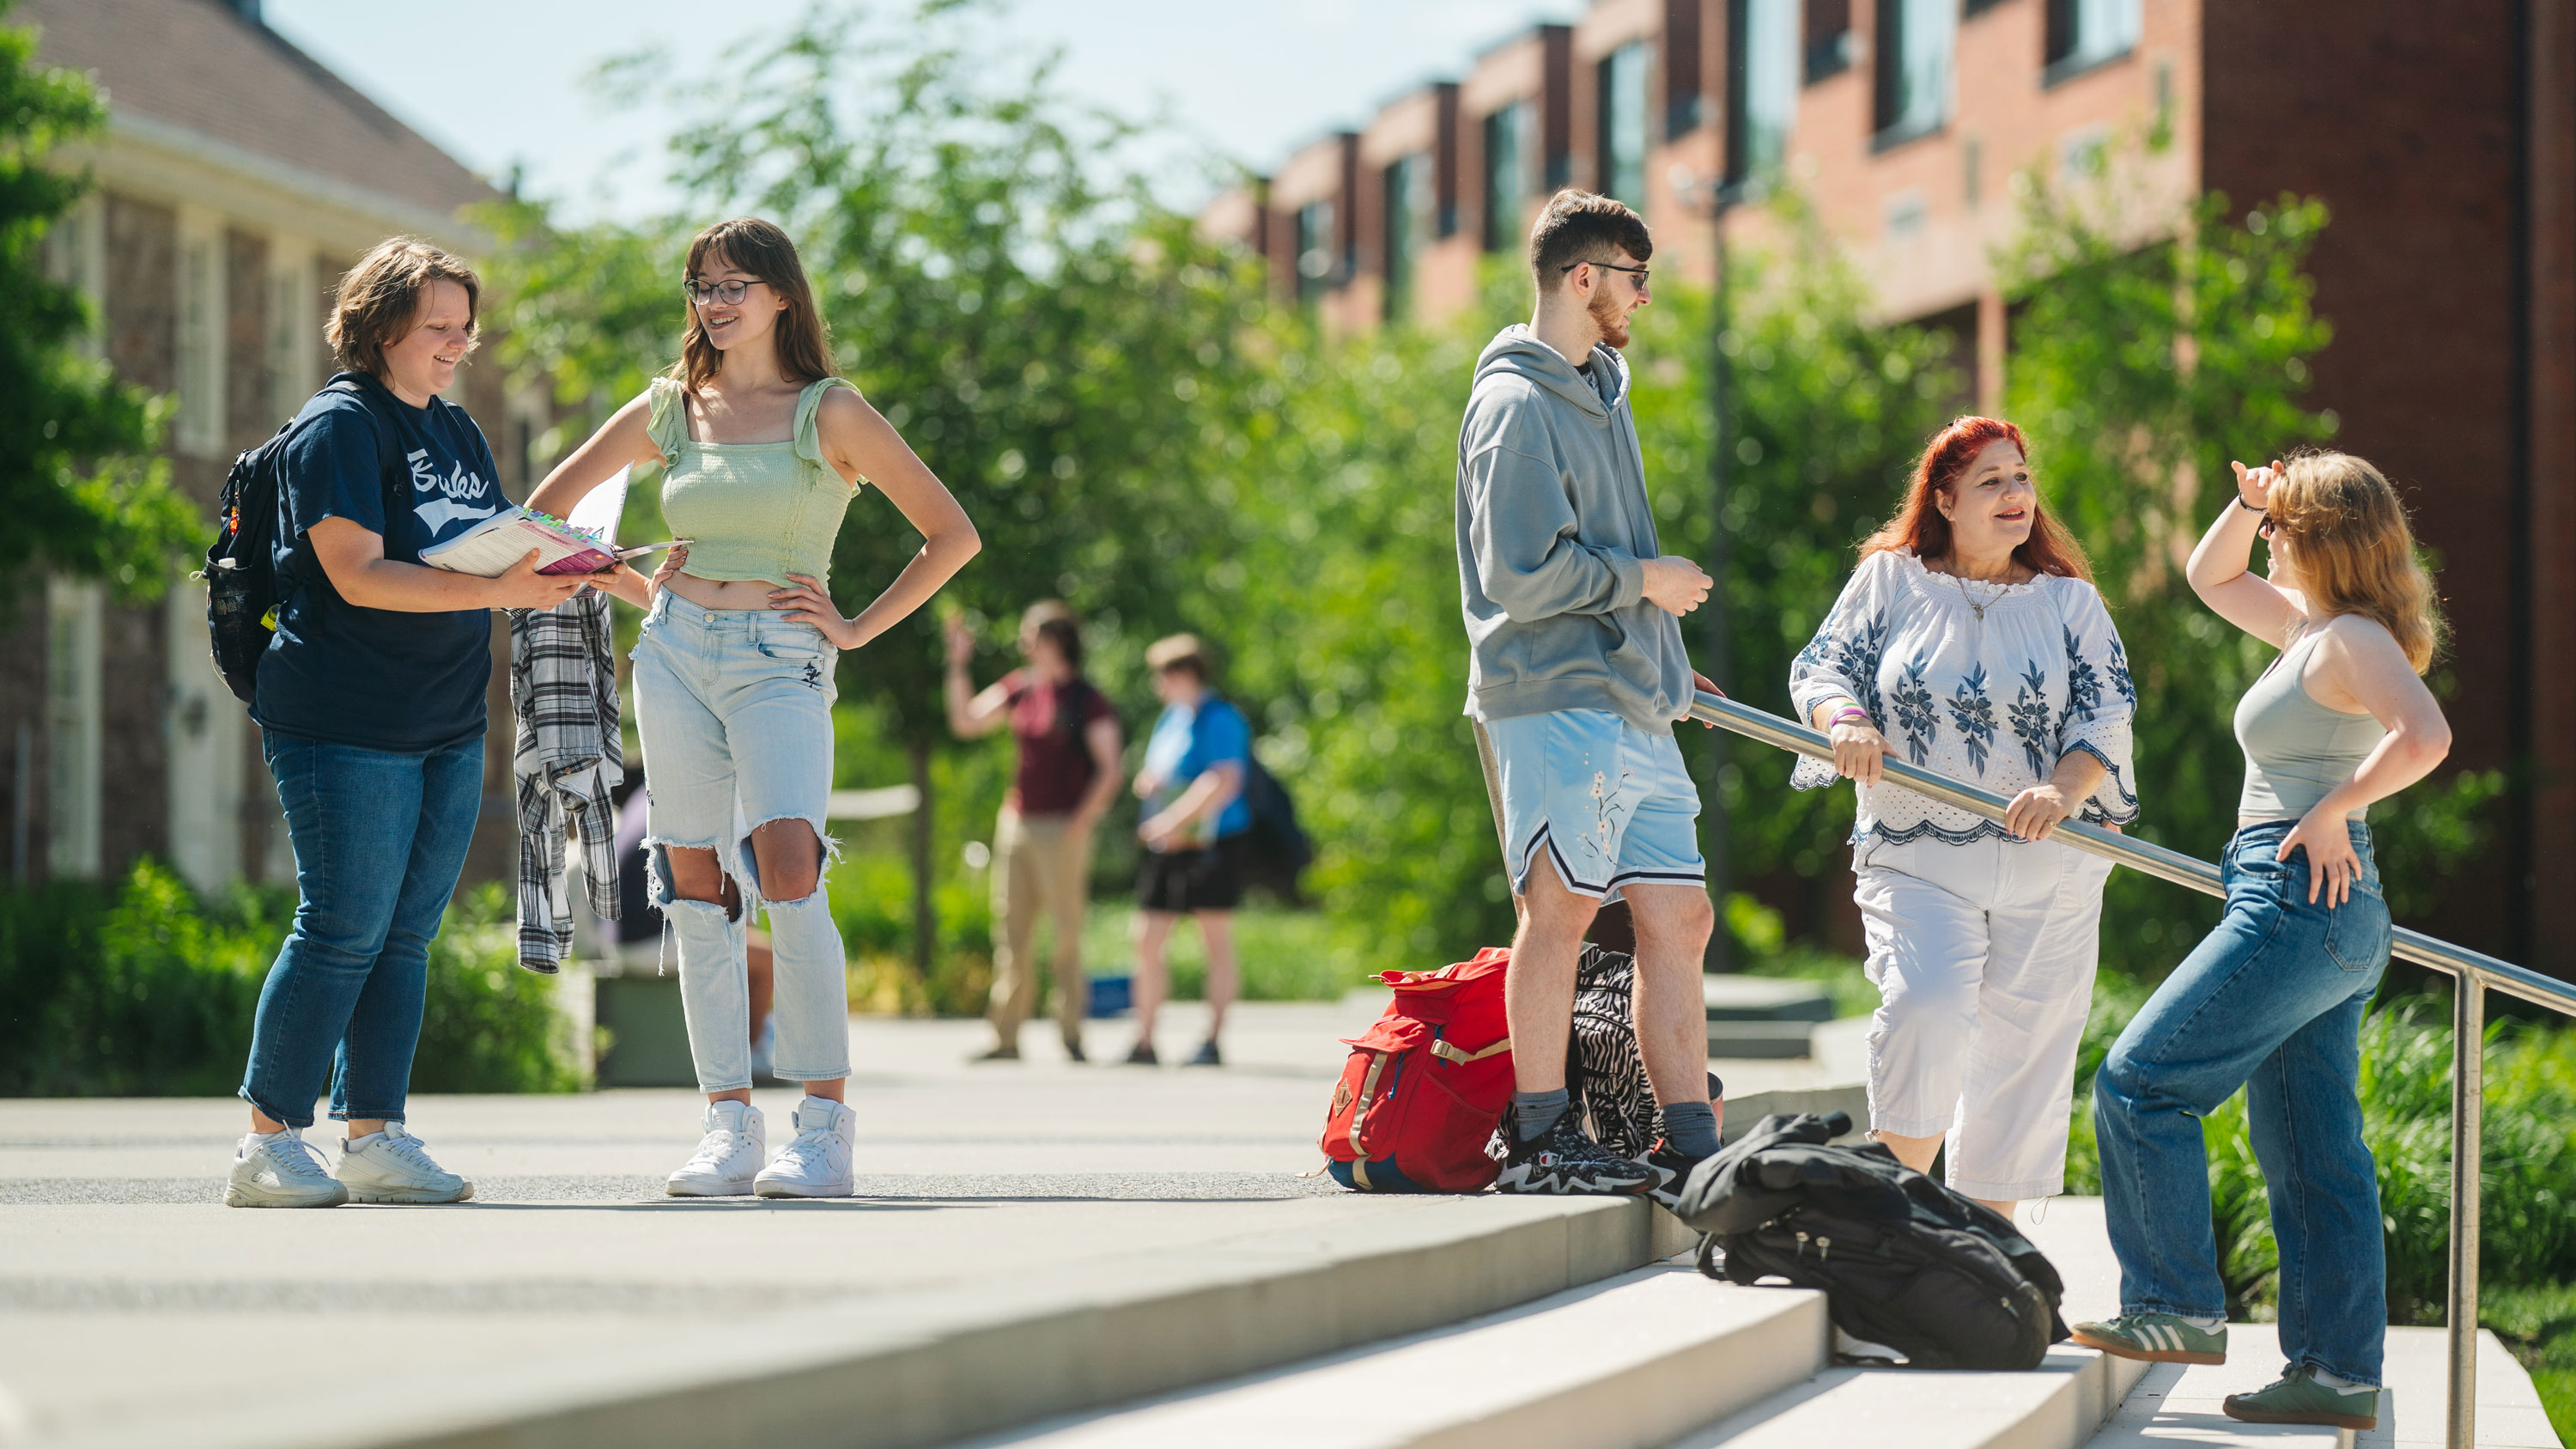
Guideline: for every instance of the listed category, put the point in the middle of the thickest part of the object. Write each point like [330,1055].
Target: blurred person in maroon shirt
[1067,775]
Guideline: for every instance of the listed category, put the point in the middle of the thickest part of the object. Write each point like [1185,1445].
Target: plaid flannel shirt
[568,755]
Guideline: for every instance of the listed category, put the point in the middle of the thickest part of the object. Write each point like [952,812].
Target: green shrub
[145,989]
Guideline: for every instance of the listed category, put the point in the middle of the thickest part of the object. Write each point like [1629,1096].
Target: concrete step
[1622,1364]
[2181,1403]
[939,1362]
[1731,997]
[1761,1040]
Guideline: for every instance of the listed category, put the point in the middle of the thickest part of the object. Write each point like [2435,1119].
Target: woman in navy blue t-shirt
[370,707]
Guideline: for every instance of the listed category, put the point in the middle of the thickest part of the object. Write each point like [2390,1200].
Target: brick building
[235,181]
[2444,142]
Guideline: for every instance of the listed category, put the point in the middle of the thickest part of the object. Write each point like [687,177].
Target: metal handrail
[2476,972]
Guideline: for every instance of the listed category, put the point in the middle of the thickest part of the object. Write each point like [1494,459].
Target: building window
[1315,270]
[76,256]
[1409,220]
[201,391]
[1623,124]
[1912,68]
[1826,39]
[2084,33]
[1511,140]
[1762,45]
[75,614]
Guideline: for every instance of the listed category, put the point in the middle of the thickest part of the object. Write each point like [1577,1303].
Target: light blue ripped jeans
[735,710]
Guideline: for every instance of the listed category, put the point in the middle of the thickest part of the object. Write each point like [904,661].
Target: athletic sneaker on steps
[728,1157]
[1563,1161]
[1672,1172]
[817,1162]
[392,1166]
[281,1169]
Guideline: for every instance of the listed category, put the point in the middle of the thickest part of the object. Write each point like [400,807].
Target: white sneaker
[817,1163]
[726,1157]
[281,1169]
[392,1166]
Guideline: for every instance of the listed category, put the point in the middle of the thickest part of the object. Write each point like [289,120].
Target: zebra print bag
[1605,1074]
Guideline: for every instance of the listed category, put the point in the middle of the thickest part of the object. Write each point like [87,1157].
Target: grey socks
[1691,1127]
[1533,1113]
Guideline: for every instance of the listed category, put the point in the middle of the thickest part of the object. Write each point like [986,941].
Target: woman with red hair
[1971,638]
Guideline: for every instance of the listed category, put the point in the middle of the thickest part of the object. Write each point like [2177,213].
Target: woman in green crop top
[761,448]
[2272,1000]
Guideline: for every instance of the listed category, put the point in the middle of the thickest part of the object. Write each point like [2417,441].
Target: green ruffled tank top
[751,510]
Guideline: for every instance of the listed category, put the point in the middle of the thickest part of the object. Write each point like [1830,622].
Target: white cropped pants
[1983,955]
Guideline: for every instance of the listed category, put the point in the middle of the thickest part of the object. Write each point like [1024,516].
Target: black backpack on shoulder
[1280,850]
[1902,1260]
[241,568]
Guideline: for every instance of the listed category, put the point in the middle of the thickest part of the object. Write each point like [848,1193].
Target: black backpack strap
[389,457]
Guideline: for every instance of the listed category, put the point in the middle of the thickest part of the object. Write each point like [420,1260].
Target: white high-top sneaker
[817,1163]
[727,1156]
[281,1169]
[392,1166]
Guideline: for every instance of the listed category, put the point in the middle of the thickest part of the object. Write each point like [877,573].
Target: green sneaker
[2156,1338]
[2297,1398]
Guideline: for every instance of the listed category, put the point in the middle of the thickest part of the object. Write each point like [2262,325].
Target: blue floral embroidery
[2120,683]
[1974,714]
[1914,713]
[2083,686]
[2029,716]
[1854,656]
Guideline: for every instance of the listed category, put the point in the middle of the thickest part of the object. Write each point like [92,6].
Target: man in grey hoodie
[1575,678]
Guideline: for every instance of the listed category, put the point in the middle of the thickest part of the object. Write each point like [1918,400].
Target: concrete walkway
[132,1303]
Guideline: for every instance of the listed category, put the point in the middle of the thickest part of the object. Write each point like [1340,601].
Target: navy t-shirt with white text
[378,678]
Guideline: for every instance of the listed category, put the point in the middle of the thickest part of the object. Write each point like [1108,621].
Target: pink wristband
[1849,711]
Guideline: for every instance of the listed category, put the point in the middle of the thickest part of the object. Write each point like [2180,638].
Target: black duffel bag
[1902,1260]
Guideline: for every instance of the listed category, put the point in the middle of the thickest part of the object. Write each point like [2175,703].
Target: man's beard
[1610,317]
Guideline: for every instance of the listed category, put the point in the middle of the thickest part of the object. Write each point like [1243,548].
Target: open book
[493,547]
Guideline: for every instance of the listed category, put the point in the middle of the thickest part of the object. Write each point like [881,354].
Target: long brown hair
[2352,550]
[1919,526]
[804,342]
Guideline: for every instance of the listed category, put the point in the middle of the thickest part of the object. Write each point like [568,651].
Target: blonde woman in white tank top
[2272,1000]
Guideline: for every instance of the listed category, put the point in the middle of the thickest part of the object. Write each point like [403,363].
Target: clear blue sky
[501,81]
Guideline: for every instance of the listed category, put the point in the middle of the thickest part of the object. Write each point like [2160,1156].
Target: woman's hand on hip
[2333,865]
[806,602]
[1858,750]
[2035,813]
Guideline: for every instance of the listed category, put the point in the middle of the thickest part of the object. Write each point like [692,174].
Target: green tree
[77,482]
[1066,354]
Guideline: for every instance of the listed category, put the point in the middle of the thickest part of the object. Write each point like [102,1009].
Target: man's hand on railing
[1705,685]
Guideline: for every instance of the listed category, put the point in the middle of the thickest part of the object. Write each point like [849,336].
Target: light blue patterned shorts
[1611,804]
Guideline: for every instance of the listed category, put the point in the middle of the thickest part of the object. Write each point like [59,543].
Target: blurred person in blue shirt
[1194,832]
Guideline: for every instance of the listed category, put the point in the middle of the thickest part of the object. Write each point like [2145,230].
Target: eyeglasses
[1638,272]
[2267,527]
[728,293]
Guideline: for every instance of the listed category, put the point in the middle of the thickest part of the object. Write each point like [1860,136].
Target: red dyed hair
[1919,526]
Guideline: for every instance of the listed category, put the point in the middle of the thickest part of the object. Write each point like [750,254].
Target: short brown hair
[382,296]
[1584,226]
[1180,651]
[1055,621]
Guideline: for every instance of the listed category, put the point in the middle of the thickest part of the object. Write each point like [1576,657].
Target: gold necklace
[2000,590]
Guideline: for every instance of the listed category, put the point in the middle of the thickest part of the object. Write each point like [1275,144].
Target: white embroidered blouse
[1996,700]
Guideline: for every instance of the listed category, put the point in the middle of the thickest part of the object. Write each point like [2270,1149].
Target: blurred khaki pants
[1040,865]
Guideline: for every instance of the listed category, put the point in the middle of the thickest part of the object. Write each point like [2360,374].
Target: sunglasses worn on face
[728,293]
[2267,527]
[1638,272]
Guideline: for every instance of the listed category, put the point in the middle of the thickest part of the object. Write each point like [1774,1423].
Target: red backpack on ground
[1426,1085]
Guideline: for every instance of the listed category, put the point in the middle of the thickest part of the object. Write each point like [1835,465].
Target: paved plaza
[115,1253]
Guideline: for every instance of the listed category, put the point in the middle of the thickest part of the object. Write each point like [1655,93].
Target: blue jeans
[380,837]
[734,707]
[2271,1002]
